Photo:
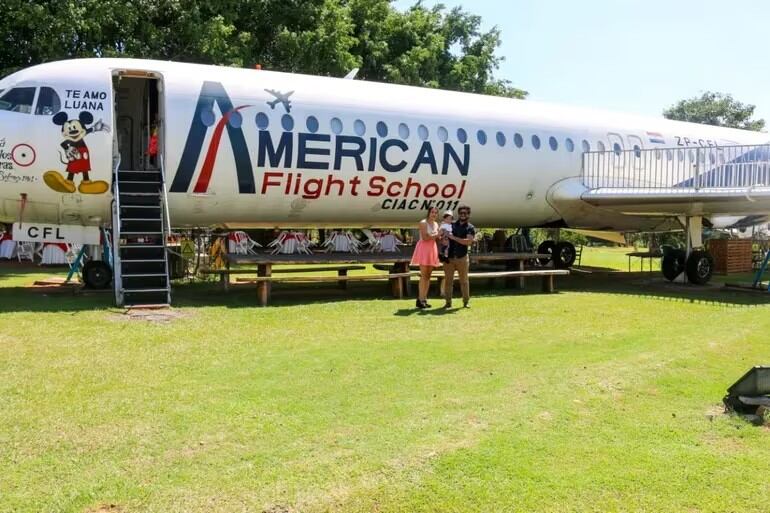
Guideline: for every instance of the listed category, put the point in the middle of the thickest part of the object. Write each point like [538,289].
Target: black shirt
[461,231]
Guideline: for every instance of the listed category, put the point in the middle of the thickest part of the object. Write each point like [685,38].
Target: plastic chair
[25,251]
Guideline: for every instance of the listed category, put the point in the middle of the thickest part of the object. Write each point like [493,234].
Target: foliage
[716,109]
[430,47]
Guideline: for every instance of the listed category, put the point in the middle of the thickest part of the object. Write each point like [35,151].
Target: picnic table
[641,255]
[398,276]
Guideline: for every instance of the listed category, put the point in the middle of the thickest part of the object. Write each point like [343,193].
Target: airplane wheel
[700,267]
[672,264]
[564,255]
[546,248]
[97,274]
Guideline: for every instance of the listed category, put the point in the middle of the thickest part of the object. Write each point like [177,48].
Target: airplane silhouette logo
[282,98]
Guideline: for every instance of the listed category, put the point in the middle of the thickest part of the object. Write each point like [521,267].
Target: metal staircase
[140,228]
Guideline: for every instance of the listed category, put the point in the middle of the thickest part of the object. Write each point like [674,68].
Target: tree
[716,109]
[421,46]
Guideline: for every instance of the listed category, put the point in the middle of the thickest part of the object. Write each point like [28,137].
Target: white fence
[651,170]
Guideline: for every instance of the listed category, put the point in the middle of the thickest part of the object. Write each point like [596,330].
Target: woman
[426,254]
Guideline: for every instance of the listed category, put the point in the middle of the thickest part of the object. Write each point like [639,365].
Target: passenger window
[552,143]
[48,102]
[586,146]
[536,142]
[600,146]
[18,99]
[569,144]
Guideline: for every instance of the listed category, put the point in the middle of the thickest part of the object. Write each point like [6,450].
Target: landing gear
[700,267]
[695,262]
[546,248]
[564,255]
[97,274]
[672,263]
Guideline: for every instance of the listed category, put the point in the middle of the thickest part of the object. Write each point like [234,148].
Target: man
[461,237]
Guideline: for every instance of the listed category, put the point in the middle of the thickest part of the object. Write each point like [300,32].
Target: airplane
[281,98]
[351,153]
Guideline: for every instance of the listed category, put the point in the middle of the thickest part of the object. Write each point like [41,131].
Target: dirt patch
[156,315]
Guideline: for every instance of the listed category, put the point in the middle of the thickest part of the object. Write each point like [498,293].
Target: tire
[672,264]
[546,248]
[700,267]
[564,255]
[97,275]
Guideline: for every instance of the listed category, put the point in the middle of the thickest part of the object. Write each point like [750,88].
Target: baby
[444,230]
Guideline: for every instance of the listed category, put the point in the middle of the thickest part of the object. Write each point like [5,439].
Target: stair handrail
[116,275]
[166,220]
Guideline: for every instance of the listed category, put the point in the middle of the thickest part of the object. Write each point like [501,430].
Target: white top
[447,227]
[432,227]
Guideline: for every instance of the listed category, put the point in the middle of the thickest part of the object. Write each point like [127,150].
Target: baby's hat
[448,213]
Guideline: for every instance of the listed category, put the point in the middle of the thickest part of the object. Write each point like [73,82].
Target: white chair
[241,244]
[372,240]
[288,243]
[303,243]
[25,251]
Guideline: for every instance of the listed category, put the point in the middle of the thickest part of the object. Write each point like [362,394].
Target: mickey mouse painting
[76,155]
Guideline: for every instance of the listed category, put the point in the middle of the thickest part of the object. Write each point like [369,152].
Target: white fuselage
[249,148]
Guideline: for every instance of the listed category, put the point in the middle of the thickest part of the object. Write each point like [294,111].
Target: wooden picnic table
[400,284]
[642,255]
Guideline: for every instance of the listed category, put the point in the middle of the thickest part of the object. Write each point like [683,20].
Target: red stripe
[202,185]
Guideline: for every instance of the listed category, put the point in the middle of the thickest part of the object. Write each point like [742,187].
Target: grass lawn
[604,397]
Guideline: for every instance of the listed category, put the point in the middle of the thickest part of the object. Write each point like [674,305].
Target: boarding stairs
[140,228]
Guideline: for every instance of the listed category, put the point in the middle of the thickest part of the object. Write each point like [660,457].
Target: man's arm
[467,241]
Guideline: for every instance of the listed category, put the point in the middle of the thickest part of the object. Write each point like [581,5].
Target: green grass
[615,258]
[604,397]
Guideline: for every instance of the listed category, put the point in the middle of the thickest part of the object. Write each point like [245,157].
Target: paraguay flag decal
[656,138]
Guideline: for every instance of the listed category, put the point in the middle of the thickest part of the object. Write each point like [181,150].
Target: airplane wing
[685,201]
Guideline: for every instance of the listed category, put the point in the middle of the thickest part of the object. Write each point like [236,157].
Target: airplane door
[635,143]
[617,148]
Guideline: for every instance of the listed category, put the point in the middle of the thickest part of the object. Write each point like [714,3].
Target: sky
[635,56]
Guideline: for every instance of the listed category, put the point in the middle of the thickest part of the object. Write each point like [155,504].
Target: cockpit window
[48,102]
[18,99]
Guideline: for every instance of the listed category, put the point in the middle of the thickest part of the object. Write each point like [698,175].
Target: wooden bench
[548,275]
[264,282]
[342,271]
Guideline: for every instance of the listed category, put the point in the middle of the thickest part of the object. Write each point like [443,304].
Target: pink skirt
[425,253]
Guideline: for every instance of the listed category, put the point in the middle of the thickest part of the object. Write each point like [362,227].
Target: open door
[138,121]
[140,218]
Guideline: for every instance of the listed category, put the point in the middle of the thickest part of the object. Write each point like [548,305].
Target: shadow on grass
[654,286]
[208,294]
[408,312]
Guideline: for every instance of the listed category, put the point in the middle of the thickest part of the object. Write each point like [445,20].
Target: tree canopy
[432,47]
[715,109]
